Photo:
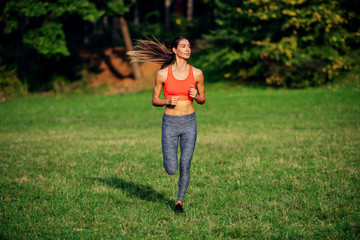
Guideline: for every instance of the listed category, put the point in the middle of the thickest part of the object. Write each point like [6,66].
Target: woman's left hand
[192,92]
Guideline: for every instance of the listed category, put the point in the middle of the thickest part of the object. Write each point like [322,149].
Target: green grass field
[269,164]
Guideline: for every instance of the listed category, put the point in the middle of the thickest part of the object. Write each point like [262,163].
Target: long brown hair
[154,51]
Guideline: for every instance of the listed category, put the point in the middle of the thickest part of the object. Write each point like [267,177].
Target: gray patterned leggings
[173,129]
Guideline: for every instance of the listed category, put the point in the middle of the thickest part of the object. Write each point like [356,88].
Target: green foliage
[10,84]
[40,22]
[291,43]
[47,40]
[41,35]
[179,26]
[118,7]
[84,8]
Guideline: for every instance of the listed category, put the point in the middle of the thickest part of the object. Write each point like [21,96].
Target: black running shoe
[178,208]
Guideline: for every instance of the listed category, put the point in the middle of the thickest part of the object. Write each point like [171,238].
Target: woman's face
[183,49]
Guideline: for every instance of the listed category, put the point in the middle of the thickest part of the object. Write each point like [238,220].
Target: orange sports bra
[174,87]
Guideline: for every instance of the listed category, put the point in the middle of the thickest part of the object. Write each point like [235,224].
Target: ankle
[181,202]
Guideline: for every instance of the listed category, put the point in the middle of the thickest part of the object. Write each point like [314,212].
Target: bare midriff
[183,107]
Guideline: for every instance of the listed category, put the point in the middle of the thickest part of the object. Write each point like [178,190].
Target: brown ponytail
[151,51]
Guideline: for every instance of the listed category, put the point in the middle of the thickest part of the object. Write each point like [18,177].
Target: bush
[10,84]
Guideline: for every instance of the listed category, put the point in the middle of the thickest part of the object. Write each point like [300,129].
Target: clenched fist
[174,100]
[192,92]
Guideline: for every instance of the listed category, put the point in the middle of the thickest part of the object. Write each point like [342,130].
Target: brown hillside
[110,67]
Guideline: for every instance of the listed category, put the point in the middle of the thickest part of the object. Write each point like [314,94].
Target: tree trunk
[214,15]
[94,23]
[179,7]
[128,45]
[106,22]
[86,31]
[157,9]
[136,13]
[167,14]
[190,9]
[115,35]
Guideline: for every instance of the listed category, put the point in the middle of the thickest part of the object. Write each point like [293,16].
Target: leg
[170,142]
[187,145]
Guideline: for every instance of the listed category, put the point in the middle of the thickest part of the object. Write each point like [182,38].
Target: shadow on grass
[141,191]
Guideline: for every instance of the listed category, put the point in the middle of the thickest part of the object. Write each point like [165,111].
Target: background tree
[118,8]
[167,14]
[40,23]
[35,41]
[190,9]
[40,39]
[291,43]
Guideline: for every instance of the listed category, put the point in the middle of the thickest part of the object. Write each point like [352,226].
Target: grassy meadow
[268,164]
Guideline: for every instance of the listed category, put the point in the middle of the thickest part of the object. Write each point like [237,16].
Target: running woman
[182,85]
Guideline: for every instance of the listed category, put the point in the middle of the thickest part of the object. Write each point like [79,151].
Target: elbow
[154,102]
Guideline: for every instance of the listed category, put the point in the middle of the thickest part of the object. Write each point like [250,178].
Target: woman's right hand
[173,101]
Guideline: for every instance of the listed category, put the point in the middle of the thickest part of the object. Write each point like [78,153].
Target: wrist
[196,97]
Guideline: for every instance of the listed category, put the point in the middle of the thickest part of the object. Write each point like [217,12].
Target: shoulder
[161,75]
[197,73]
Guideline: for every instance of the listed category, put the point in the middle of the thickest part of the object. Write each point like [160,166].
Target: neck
[180,64]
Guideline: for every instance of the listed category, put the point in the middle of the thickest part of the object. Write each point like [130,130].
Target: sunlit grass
[267,164]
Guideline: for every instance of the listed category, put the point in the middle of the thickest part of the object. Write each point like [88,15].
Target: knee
[170,168]
[170,165]
[170,171]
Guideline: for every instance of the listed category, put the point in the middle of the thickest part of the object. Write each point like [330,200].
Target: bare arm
[199,79]
[159,82]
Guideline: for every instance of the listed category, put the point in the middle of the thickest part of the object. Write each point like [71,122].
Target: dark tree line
[288,43]
[40,39]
